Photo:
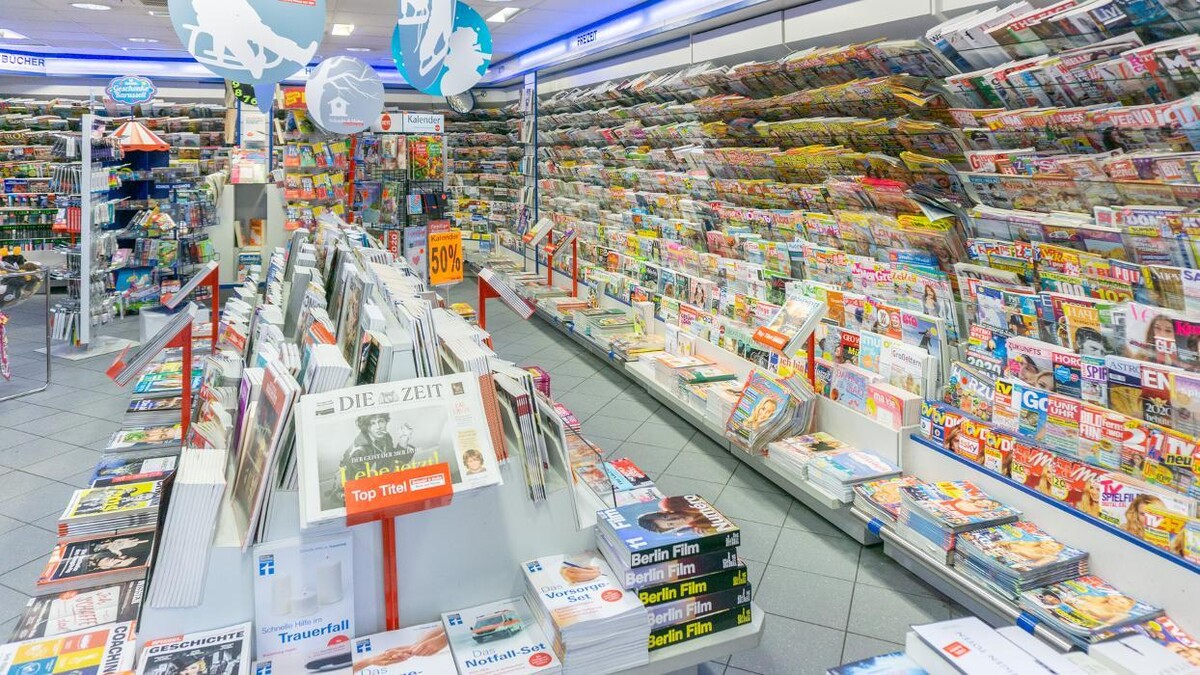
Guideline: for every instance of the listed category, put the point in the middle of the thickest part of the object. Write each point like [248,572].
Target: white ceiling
[60,27]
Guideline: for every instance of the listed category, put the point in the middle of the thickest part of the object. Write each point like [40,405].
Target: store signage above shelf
[131,90]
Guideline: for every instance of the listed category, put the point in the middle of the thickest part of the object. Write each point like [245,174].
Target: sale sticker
[445,258]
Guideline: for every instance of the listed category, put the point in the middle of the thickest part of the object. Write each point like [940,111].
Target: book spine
[736,577]
[696,628]
[689,609]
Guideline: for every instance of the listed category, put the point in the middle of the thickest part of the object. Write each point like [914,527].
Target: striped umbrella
[135,136]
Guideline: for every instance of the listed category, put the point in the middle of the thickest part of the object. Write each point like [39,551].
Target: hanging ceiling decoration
[441,47]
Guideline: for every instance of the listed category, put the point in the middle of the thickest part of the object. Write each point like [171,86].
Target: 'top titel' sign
[131,90]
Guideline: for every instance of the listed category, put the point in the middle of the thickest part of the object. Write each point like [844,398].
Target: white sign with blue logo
[258,42]
[345,95]
[441,47]
[131,90]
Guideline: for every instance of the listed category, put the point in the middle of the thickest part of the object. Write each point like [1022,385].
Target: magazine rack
[553,250]
[183,340]
[209,277]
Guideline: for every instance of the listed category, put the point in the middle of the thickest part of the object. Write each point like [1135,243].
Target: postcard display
[311,573]
[880,180]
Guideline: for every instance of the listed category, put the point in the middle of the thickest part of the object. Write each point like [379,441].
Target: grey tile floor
[830,600]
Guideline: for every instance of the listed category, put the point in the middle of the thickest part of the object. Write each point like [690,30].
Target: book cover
[139,500]
[304,603]
[636,578]
[1032,421]
[1031,361]
[497,638]
[1020,547]
[575,589]
[69,611]
[675,527]
[1156,394]
[416,650]
[97,560]
[224,650]
[104,650]
[1062,424]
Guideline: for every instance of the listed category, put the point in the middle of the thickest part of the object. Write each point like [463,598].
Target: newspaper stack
[224,650]
[792,455]
[1013,558]
[932,515]
[837,474]
[770,409]
[499,637]
[675,550]
[594,625]
[1086,609]
[187,534]
[881,498]
[111,509]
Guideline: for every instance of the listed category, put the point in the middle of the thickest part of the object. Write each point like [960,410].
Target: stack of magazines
[668,546]
[1016,557]
[99,510]
[793,454]
[932,515]
[1086,609]
[837,474]
[769,409]
[881,498]
[594,625]
[188,529]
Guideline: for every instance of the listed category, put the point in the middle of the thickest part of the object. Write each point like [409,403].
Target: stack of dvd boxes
[680,555]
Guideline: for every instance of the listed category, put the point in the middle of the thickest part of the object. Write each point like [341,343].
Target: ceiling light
[342,29]
[6,34]
[358,49]
[91,5]
[504,15]
[159,14]
[143,40]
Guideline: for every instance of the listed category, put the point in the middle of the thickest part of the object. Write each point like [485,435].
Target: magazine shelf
[966,592]
[1136,567]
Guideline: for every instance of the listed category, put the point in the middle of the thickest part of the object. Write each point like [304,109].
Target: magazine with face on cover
[674,527]
[223,650]
[1087,605]
[97,560]
[370,430]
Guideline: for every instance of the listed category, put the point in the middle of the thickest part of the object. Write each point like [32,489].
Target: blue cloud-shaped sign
[257,42]
[131,90]
[440,47]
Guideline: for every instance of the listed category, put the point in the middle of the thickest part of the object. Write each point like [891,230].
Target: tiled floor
[830,600]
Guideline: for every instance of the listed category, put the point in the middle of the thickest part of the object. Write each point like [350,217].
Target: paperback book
[675,527]
[499,637]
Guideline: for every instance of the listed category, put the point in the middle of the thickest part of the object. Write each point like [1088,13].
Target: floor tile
[702,466]
[860,647]
[24,578]
[758,540]
[583,405]
[12,603]
[711,668]
[66,464]
[655,433]
[673,486]
[875,568]
[586,366]
[816,553]
[11,437]
[761,507]
[805,597]
[747,477]
[561,384]
[651,458]
[24,544]
[51,498]
[700,442]
[886,614]
[791,647]
[609,427]
[15,413]
[17,483]
[634,411]
[86,435]
[32,452]
[800,517]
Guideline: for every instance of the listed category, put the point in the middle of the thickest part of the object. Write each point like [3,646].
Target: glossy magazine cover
[956,504]
[577,588]
[1087,605]
[1019,546]
[416,650]
[59,613]
[675,527]
[222,650]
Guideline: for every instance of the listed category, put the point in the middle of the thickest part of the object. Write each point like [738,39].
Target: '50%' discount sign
[445,257]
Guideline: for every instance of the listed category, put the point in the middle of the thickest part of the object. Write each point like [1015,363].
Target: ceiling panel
[58,25]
